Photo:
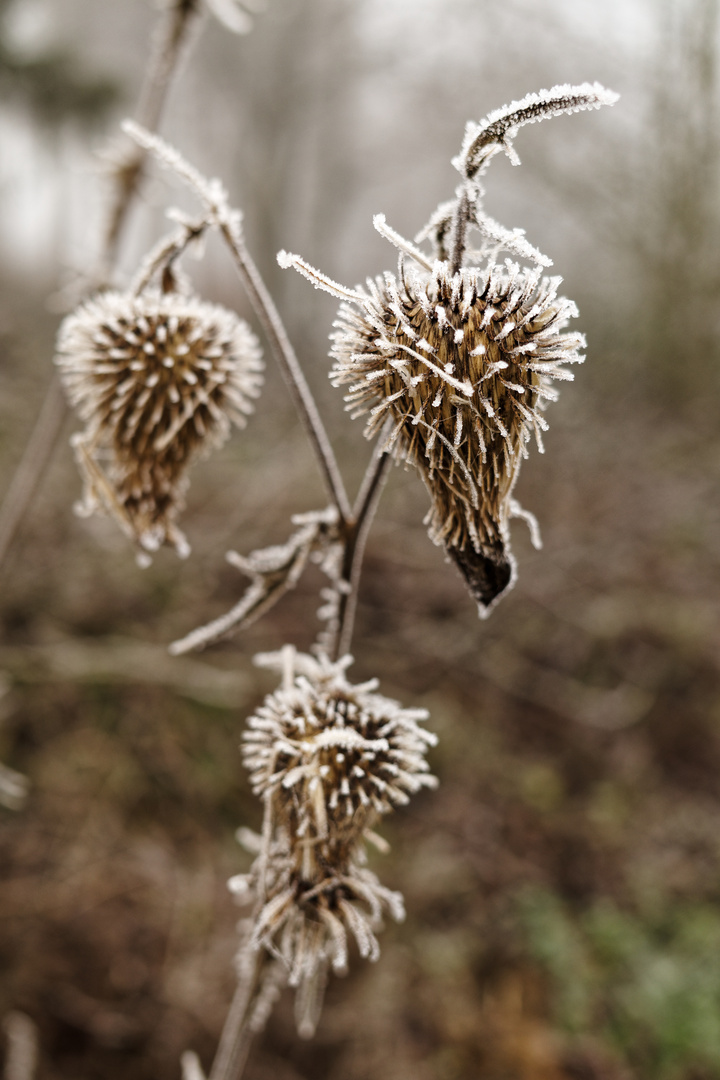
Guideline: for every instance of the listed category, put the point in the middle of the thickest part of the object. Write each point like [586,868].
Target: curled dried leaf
[273,571]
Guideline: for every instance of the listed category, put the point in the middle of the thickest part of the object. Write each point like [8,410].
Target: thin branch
[300,392]
[32,464]
[237,1033]
[363,513]
[498,130]
[153,98]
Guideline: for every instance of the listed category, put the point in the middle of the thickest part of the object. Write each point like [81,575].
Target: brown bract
[463,365]
[158,379]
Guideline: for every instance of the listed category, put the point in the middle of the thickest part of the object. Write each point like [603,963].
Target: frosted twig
[316,277]
[400,242]
[300,392]
[211,192]
[167,251]
[458,230]
[512,240]
[497,131]
[437,228]
[272,572]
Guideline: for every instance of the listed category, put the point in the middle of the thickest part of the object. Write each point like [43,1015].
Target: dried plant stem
[32,464]
[363,513]
[300,392]
[237,1033]
[153,98]
[167,252]
[52,412]
[458,232]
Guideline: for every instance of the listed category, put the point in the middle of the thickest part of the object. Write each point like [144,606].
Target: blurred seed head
[158,379]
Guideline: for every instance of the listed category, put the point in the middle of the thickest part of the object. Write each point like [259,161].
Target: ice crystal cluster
[158,378]
[454,357]
[328,758]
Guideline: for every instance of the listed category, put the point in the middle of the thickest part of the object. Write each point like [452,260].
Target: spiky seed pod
[464,365]
[158,378]
[461,352]
[328,758]
[331,756]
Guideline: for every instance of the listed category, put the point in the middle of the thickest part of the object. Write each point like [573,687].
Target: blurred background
[562,884]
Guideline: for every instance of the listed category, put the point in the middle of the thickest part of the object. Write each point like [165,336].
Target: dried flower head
[332,756]
[457,353]
[463,364]
[328,758]
[158,378]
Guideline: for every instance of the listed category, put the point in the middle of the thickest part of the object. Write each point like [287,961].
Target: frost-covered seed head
[328,758]
[333,756]
[463,365]
[157,378]
[457,353]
